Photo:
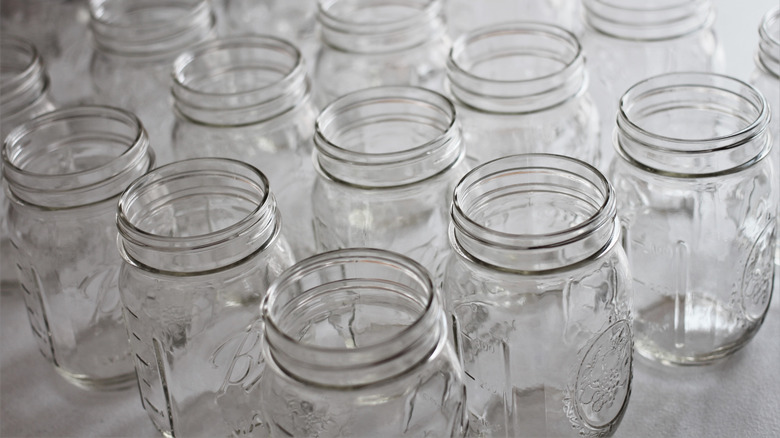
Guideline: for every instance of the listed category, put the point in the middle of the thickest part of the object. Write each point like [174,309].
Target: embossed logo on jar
[757,277]
[604,377]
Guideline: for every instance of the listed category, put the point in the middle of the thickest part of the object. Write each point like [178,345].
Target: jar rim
[34,63]
[668,21]
[324,9]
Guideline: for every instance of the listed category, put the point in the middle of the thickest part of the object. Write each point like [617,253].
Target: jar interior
[515,54]
[689,112]
[184,205]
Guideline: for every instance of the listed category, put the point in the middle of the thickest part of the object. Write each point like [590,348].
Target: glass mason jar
[466,15]
[766,77]
[201,243]
[64,172]
[356,345]
[58,29]
[627,42]
[698,197]
[24,94]
[135,43]
[371,43]
[387,161]
[522,87]
[538,289]
[247,98]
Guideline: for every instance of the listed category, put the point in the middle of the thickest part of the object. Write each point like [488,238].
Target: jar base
[116,383]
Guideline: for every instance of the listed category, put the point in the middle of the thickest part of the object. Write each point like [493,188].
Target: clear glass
[522,87]
[697,196]
[201,243]
[387,161]
[539,291]
[627,42]
[24,94]
[64,172]
[248,98]
[368,43]
[355,345]
[135,42]
[464,16]
[58,29]
[766,78]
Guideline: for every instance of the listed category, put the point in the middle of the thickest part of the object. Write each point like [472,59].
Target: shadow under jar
[388,159]
[248,98]
[627,41]
[538,289]
[135,42]
[697,195]
[64,172]
[24,94]
[522,87]
[369,43]
[201,243]
[356,346]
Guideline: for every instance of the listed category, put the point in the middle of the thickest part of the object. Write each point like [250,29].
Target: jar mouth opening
[241,183]
[389,279]
[362,14]
[412,108]
[17,146]
[645,110]
[585,201]
[265,64]
[554,44]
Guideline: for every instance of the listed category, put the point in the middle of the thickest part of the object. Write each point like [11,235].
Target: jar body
[201,242]
[571,129]
[550,355]
[369,352]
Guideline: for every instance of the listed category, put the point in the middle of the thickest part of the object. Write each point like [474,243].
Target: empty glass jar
[628,41]
[387,160]
[538,289]
[379,42]
[698,196]
[522,87]
[24,94]
[766,77]
[201,243]
[356,345]
[135,43]
[64,172]
[466,15]
[248,98]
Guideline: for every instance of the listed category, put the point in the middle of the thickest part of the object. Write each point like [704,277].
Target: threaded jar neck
[149,29]
[23,79]
[692,125]
[239,81]
[650,20]
[516,68]
[196,217]
[768,57]
[387,137]
[75,156]
[533,214]
[352,317]
[380,26]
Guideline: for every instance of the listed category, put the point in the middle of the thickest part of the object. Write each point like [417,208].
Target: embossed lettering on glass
[135,42]
[522,87]
[356,345]
[201,243]
[628,41]
[388,159]
[538,289]
[766,78]
[24,94]
[369,43]
[698,196]
[248,98]
[64,172]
